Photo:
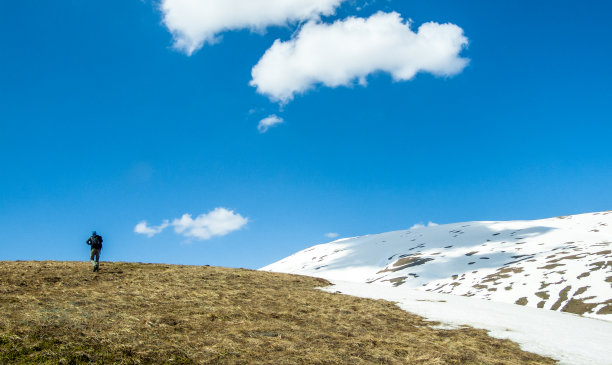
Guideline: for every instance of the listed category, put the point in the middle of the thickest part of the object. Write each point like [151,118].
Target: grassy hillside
[60,312]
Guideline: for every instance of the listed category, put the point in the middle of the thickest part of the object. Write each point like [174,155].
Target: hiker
[95,241]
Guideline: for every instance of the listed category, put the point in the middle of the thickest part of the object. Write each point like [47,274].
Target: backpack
[96,242]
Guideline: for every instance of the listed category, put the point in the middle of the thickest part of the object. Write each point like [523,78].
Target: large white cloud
[217,222]
[351,49]
[196,22]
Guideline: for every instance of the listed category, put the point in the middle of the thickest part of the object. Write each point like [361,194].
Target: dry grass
[60,312]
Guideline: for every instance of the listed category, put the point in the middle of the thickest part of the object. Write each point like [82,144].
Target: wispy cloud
[421,225]
[268,122]
[194,23]
[331,235]
[349,50]
[144,228]
[217,222]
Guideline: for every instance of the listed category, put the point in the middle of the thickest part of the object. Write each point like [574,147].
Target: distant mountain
[561,264]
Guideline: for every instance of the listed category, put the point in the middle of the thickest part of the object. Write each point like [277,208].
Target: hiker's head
[93,233]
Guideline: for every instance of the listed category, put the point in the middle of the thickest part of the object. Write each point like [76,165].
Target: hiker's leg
[92,256]
[97,256]
[97,264]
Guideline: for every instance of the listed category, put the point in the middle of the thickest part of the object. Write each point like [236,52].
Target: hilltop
[60,312]
[561,264]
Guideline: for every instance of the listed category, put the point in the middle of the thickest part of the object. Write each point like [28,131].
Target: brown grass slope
[60,312]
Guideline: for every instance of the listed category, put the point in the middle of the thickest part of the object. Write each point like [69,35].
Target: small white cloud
[217,222]
[421,225]
[143,228]
[268,122]
[196,22]
[347,51]
[331,235]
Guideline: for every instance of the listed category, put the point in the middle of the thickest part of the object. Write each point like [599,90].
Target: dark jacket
[95,241]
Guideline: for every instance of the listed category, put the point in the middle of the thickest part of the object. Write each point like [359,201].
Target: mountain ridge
[562,263]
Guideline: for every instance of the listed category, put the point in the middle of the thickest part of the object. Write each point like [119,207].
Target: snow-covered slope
[561,264]
[568,338]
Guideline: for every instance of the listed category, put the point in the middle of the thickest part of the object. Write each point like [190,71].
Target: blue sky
[106,122]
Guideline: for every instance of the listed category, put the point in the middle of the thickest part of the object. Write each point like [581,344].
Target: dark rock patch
[521,301]
[562,298]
